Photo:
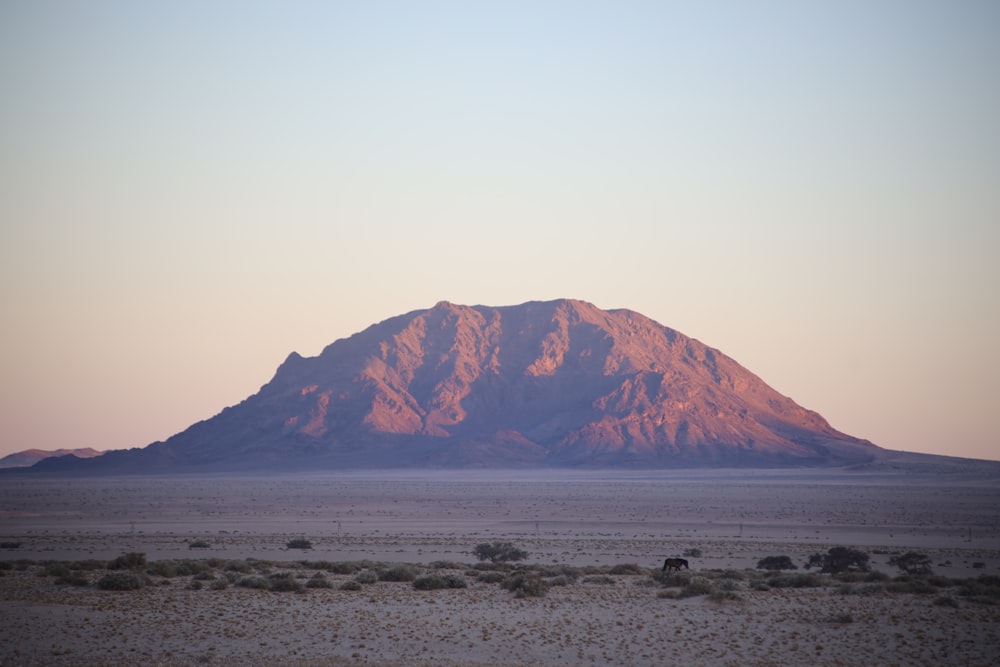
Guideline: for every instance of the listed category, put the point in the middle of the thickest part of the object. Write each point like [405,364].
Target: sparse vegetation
[404,573]
[912,563]
[10,545]
[130,561]
[497,552]
[199,544]
[526,584]
[776,563]
[839,559]
[299,543]
[436,581]
[122,581]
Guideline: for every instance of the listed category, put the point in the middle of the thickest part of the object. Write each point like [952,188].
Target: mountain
[557,383]
[30,457]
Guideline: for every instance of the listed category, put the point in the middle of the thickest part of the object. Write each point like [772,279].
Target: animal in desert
[675,564]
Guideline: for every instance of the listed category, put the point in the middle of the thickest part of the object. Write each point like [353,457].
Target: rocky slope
[558,383]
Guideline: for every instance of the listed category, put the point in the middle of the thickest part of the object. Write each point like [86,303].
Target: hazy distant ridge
[558,383]
[30,457]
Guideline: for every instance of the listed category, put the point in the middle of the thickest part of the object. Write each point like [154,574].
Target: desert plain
[595,539]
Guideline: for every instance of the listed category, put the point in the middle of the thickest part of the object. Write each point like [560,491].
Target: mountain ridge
[545,383]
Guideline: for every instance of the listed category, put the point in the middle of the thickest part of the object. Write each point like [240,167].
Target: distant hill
[558,383]
[30,457]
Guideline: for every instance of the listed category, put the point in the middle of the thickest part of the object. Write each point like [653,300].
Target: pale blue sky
[191,190]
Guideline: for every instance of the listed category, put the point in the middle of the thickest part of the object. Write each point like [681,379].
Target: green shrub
[526,584]
[349,567]
[447,565]
[839,559]
[491,577]
[695,587]
[776,563]
[497,552]
[404,573]
[430,582]
[240,566]
[284,582]
[912,563]
[260,583]
[129,561]
[122,581]
[366,577]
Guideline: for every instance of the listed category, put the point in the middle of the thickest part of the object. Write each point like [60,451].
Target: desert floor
[578,523]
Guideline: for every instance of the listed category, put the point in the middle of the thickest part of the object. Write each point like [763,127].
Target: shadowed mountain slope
[559,383]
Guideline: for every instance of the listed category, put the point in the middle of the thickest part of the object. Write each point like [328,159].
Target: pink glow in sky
[189,191]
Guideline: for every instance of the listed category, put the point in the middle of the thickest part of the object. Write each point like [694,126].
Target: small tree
[776,563]
[839,559]
[912,563]
[498,552]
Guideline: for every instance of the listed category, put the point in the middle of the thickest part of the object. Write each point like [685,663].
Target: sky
[190,191]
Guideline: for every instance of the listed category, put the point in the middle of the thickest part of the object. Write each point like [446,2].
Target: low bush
[695,587]
[219,584]
[349,567]
[129,561]
[526,584]
[318,580]
[430,582]
[403,573]
[199,544]
[447,565]
[599,579]
[122,581]
[299,543]
[491,577]
[259,583]
[352,585]
[776,563]
[692,553]
[284,582]
[497,552]
[366,577]
[945,601]
[839,559]
[912,563]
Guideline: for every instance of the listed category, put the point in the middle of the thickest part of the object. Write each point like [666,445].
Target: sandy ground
[572,519]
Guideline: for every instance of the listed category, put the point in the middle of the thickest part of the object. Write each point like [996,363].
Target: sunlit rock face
[558,383]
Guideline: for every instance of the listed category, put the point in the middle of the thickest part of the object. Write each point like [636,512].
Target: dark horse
[675,564]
